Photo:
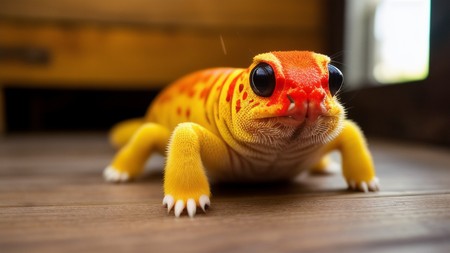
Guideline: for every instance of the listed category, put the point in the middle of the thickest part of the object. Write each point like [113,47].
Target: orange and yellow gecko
[265,123]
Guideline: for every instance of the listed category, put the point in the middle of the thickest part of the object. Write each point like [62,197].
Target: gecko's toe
[191,207]
[111,174]
[179,207]
[374,185]
[168,201]
[351,185]
[364,186]
[204,202]
[191,204]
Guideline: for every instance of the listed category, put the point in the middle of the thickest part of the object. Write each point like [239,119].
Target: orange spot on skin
[188,113]
[191,93]
[186,86]
[255,105]
[205,93]
[238,105]
[231,89]
[178,111]
[251,101]
[244,97]
[165,98]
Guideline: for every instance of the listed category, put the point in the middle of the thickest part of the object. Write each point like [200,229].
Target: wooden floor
[53,199]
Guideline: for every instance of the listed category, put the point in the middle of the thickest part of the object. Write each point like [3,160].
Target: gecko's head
[294,92]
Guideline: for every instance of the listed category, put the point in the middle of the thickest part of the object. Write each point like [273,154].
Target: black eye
[262,80]
[335,79]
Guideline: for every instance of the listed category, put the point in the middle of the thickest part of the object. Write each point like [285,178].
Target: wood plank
[90,56]
[52,199]
[196,13]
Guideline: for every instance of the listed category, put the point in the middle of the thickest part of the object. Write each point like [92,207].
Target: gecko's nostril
[291,99]
[292,104]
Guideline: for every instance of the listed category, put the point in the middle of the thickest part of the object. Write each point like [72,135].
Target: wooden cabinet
[140,44]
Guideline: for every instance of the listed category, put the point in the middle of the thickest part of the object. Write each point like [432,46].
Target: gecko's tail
[122,132]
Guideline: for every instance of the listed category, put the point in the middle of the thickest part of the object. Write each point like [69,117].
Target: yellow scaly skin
[217,126]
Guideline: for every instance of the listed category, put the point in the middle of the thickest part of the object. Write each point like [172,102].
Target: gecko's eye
[335,79]
[262,80]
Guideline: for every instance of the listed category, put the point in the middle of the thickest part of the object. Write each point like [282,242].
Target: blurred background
[71,66]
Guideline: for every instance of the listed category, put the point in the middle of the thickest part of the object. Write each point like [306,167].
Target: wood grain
[90,56]
[147,44]
[213,13]
[53,199]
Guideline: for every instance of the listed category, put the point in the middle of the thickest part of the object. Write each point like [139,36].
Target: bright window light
[401,46]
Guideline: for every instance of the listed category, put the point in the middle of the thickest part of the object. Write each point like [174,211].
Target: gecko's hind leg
[130,160]
[327,165]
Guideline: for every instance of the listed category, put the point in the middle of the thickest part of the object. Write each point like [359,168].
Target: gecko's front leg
[357,164]
[191,149]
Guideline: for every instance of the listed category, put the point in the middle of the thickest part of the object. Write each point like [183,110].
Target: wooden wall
[138,43]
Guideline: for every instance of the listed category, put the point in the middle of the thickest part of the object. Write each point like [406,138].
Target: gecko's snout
[307,110]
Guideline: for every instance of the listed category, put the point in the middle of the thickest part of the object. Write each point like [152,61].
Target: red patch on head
[241,87]
[244,97]
[303,74]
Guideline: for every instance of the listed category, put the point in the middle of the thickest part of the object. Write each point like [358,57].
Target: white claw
[169,202]
[111,174]
[191,207]
[352,184]
[204,201]
[123,177]
[107,173]
[374,185]
[363,187]
[179,206]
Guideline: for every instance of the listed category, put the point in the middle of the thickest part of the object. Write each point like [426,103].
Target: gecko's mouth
[287,120]
[308,110]
[290,120]
[293,116]
[298,112]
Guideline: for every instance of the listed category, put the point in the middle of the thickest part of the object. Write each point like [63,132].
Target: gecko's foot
[191,204]
[372,185]
[111,174]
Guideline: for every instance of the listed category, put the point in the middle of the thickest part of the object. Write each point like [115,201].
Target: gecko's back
[193,98]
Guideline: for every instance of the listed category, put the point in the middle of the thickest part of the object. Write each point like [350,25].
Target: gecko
[268,122]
